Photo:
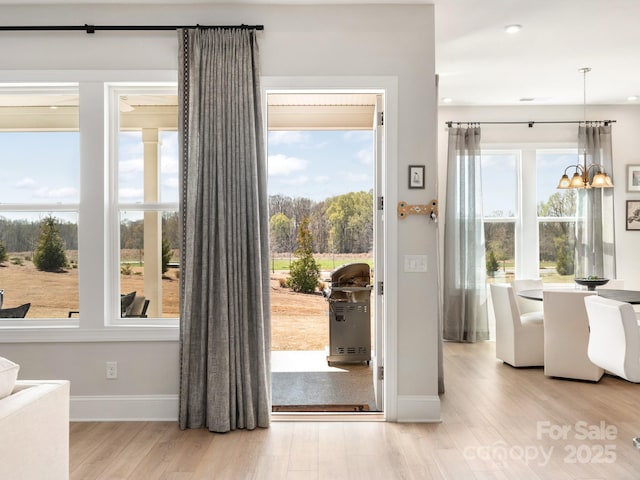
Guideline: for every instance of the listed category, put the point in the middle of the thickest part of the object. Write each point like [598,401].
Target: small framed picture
[416,176]
[633,215]
[633,178]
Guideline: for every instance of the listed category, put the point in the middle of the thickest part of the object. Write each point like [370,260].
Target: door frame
[388,86]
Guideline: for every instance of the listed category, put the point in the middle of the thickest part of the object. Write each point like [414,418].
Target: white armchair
[614,339]
[566,336]
[519,341]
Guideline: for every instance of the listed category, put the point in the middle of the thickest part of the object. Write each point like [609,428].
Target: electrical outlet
[112,370]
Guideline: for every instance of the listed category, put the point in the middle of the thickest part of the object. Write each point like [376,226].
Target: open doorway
[324,154]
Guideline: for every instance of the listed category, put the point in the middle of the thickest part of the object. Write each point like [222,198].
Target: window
[146,182]
[529,224]
[39,198]
[94,165]
[500,208]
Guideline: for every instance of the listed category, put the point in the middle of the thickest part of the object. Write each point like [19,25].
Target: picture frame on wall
[633,178]
[633,215]
[416,176]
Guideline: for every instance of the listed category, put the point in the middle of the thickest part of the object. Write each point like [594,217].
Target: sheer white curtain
[225,375]
[595,237]
[464,289]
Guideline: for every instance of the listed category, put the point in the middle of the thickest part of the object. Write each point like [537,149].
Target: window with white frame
[529,224]
[39,198]
[146,220]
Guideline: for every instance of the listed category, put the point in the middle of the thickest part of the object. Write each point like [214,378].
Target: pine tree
[492,263]
[3,253]
[304,271]
[50,255]
[167,253]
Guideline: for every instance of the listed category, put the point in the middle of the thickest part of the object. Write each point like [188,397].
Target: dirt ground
[298,321]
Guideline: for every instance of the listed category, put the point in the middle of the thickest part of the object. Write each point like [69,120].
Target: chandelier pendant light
[581,178]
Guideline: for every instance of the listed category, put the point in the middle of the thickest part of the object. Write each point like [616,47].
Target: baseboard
[419,408]
[104,408]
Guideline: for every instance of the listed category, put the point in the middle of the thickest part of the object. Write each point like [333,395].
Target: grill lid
[351,274]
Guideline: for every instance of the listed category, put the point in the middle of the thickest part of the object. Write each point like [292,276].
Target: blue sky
[318,164]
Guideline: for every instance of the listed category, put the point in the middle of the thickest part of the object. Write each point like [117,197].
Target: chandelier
[581,177]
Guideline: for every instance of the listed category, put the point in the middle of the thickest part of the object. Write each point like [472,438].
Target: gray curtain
[225,326]
[464,289]
[595,242]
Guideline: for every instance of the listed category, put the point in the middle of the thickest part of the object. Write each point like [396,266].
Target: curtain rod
[530,124]
[93,28]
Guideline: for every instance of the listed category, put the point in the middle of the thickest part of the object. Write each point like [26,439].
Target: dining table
[627,296]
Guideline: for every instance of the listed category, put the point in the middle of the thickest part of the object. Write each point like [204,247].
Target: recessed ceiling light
[513,28]
[527,99]
[632,98]
[447,100]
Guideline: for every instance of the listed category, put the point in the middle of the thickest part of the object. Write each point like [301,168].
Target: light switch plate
[415,263]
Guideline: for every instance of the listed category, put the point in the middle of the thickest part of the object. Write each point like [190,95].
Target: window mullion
[92,238]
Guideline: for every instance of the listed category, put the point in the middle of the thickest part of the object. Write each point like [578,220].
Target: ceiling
[479,64]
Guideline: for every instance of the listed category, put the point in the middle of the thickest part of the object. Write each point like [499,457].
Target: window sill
[65,333]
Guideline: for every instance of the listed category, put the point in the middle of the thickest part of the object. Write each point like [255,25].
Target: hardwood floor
[498,423]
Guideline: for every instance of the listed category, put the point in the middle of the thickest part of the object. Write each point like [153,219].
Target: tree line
[556,239]
[340,224]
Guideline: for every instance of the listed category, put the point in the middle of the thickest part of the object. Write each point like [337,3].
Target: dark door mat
[320,408]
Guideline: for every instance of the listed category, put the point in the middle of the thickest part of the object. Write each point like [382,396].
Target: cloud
[286,137]
[171,182]
[169,164]
[296,181]
[26,183]
[281,165]
[131,193]
[365,156]
[62,192]
[134,165]
[322,179]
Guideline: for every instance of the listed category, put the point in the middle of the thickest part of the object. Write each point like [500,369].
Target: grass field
[298,321]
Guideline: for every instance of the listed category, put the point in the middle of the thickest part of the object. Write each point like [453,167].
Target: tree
[167,253]
[305,271]
[492,263]
[564,256]
[50,255]
[281,228]
[3,253]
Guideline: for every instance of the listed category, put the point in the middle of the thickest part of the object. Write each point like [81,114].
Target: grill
[349,300]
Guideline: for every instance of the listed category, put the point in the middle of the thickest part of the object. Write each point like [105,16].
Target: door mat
[320,408]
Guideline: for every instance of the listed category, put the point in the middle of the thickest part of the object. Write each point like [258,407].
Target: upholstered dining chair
[614,337]
[566,336]
[519,339]
[532,309]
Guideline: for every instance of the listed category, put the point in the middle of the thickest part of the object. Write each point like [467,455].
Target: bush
[50,255]
[126,269]
[305,271]
[492,264]
[17,261]
[167,253]
[3,253]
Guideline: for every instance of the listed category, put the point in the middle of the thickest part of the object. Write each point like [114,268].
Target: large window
[39,198]
[147,191]
[529,224]
[89,206]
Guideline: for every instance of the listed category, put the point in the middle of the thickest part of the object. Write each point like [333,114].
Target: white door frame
[389,87]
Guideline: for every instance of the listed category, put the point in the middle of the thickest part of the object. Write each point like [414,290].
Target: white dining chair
[566,336]
[532,309]
[519,340]
[614,337]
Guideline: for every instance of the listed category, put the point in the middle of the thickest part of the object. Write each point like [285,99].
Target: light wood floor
[497,424]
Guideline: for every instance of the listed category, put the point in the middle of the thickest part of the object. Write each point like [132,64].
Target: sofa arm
[34,431]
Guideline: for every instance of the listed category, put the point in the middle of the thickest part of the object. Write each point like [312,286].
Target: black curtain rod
[93,28]
[530,124]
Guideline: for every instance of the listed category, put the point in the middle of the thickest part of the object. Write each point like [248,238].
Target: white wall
[308,41]
[625,140]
